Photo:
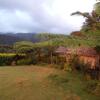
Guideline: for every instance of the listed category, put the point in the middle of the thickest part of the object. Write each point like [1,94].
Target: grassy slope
[40,83]
[71,42]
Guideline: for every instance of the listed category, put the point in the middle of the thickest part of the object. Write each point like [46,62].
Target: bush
[6,59]
[26,61]
[67,67]
[93,87]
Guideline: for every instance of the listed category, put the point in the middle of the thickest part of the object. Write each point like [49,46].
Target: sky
[42,15]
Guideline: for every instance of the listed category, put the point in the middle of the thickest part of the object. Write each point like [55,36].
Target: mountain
[8,40]
[11,38]
[26,36]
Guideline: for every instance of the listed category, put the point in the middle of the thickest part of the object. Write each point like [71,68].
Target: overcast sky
[42,15]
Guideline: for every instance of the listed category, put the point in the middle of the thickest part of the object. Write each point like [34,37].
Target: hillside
[26,36]
[9,39]
[70,41]
[55,39]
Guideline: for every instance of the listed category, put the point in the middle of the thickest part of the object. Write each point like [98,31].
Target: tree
[92,20]
[97,7]
[23,47]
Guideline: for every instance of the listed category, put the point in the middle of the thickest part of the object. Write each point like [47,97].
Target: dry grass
[32,83]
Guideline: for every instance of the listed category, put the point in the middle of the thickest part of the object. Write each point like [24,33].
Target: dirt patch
[37,69]
[72,97]
[40,72]
[21,81]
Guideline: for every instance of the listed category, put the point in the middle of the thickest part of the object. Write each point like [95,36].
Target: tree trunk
[51,58]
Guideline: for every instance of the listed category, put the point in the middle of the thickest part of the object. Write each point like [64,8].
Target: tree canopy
[92,20]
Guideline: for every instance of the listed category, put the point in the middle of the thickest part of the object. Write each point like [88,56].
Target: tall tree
[92,20]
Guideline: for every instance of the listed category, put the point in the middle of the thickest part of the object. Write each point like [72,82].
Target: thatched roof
[82,51]
[61,50]
[86,51]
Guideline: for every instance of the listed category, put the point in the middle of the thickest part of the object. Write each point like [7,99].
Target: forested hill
[74,39]
[9,39]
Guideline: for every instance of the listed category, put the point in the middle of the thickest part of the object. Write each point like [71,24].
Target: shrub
[26,61]
[93,87]
[67,67]
[6,59]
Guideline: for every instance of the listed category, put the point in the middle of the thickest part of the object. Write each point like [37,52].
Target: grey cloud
[30,16]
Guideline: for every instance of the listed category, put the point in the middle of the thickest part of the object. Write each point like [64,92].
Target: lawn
[41,83]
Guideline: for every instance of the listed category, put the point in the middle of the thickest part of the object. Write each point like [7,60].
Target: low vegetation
[8,58]
[43,83]
[33,71]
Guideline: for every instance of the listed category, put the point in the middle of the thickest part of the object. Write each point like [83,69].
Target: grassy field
[41,83]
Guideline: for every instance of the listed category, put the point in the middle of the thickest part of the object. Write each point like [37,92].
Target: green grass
[10,54]
[70,42]
[41,83]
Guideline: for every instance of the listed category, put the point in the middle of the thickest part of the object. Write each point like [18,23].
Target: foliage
[43,52]
[7,54]
[23,46]
[97,48]
[97,8]
[69,42]
[5,59]
[6,48]
[8,58]
[92,21]
[93,87]
[27,61]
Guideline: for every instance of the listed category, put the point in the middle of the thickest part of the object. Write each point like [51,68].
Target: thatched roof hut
[61,50]
[87,55]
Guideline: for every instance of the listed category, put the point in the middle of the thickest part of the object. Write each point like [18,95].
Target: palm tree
[92,19]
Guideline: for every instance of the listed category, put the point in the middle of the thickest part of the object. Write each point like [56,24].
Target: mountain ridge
[11,38]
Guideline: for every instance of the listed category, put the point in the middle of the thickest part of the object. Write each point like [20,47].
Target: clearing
[41,83]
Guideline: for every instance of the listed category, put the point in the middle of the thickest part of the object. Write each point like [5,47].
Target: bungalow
[85,55]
